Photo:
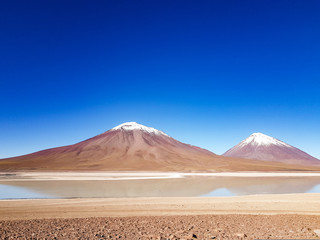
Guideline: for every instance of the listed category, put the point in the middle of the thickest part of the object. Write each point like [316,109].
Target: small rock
[317,231]
[242,235]
[194,236]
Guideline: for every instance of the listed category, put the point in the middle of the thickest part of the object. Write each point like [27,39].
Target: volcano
[134,147]
[262,147]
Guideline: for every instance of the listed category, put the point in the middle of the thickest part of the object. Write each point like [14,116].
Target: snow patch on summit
[261,139]
[130,126]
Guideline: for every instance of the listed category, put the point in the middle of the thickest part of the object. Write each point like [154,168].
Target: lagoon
[153,185]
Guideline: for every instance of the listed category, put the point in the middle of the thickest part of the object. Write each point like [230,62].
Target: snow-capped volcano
[130,126]
[135,147]
[129,146]
[261,139]
[262,147]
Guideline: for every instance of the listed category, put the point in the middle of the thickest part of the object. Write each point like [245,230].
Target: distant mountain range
[134,147]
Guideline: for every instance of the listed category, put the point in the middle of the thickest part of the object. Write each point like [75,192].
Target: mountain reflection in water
[177,187]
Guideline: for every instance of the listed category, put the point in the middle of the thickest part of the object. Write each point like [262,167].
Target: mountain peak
[130,126]
[260,139]
[263,147]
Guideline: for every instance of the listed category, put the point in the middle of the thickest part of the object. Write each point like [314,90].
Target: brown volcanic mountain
[263,147]
[132,146]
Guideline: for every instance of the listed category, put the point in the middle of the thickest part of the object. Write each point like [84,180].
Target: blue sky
[208,73]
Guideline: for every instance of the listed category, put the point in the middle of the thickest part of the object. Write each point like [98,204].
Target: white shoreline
[111,176]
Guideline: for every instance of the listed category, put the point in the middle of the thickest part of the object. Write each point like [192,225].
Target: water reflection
[270,185]
[179,187]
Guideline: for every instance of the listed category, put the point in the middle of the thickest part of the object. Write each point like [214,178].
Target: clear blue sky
[208,73]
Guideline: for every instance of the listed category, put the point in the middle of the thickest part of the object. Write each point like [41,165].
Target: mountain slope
[128,146]
[134,147]
[262,147]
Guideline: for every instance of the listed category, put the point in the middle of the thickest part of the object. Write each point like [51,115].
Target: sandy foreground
[306,204]
[245,217]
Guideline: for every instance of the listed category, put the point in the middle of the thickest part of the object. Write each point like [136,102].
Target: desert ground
[243,217]
[240,226]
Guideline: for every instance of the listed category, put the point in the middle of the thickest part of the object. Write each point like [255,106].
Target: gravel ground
[166,227]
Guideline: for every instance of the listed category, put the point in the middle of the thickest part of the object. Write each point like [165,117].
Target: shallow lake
[173,187]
